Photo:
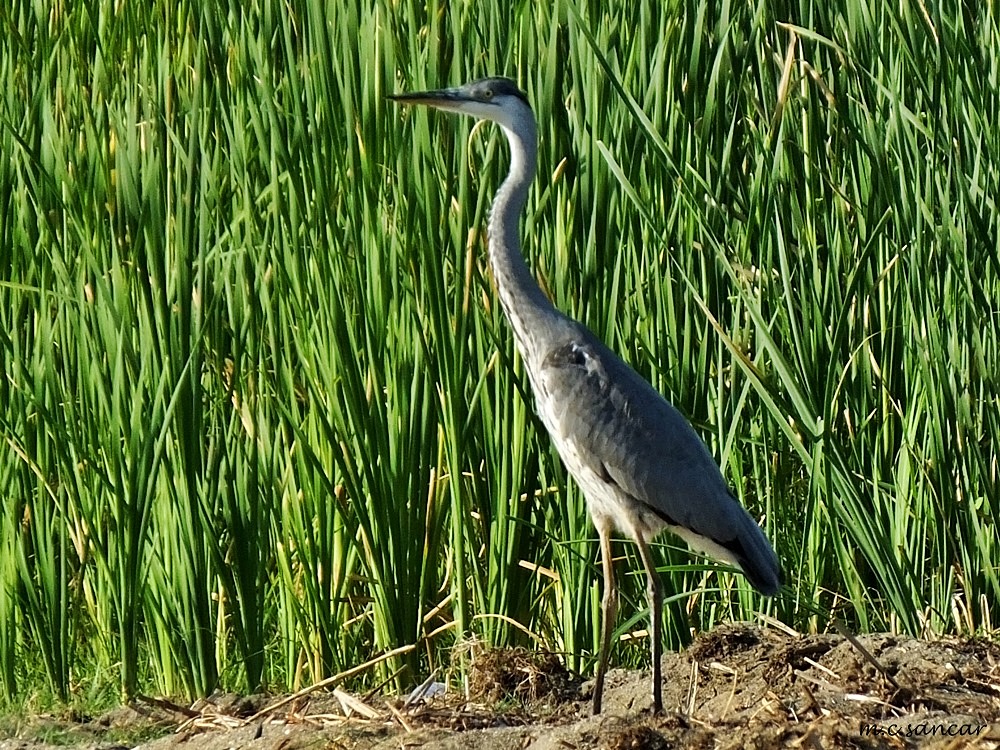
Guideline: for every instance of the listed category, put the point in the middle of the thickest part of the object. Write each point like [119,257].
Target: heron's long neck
[526,306]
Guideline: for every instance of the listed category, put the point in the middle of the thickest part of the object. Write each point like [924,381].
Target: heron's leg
[609,609]
[654,594]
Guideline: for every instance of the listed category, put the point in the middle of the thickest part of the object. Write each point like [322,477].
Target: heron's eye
[487,93]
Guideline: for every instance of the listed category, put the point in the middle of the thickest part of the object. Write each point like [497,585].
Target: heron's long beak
[440,98]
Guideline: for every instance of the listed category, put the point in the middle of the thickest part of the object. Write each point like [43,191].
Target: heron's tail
[756,558]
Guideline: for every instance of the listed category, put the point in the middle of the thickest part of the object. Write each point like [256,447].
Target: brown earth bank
[735,687]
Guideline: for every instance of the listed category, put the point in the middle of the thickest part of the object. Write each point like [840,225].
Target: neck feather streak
[525,305]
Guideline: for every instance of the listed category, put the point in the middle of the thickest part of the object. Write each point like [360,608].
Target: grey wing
[631,436]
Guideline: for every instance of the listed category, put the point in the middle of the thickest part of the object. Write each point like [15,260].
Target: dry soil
[735,687]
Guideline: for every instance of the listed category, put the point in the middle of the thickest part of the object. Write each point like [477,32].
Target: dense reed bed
[261,417]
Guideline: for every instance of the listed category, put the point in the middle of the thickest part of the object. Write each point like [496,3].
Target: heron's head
[496,99]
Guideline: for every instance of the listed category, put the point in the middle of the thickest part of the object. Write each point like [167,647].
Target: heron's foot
[588,691]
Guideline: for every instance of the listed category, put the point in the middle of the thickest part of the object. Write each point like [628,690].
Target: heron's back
[639,463]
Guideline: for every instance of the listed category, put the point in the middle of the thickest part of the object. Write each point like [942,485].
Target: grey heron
[640,465]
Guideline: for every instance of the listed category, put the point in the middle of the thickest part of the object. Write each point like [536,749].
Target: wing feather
[628,433]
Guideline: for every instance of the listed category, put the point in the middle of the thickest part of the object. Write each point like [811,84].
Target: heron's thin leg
[609,609]
[654,593]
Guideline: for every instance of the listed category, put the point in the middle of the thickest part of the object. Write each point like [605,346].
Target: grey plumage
[640,465]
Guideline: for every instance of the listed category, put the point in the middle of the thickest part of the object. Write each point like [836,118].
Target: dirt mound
[736,687]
